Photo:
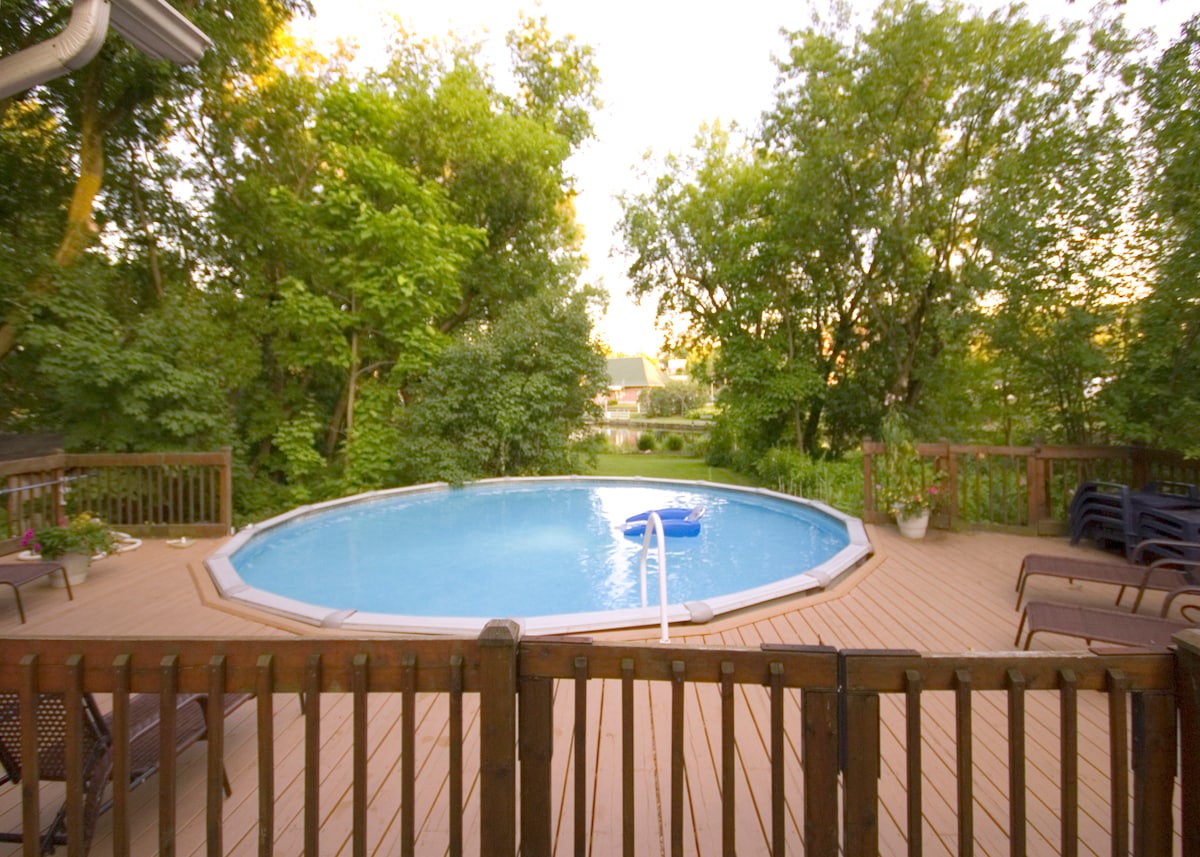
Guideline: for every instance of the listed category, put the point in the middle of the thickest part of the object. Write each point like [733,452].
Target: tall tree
[1156,396]
[121,102]
[509,399]
[909,173]
[361,221]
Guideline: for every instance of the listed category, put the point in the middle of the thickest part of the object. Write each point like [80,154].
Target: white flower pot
[913,527]
[76,566]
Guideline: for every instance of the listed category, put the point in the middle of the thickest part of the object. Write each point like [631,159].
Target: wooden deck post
[1035,479]
[951,484]
[226,500]
[536,739]
[1187,690]
[1154,757]
[820,753]
[860,777]
[858,739]
[1139,460]
[868,483]
[498,735]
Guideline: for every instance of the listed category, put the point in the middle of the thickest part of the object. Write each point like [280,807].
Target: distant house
[629,376]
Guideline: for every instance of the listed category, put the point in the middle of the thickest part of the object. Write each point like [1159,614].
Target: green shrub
[837,483]
[675,399]
[674,442]
[646,442]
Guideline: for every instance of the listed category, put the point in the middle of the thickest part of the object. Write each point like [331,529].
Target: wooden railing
[824,713]
[144,494]
[1022,489]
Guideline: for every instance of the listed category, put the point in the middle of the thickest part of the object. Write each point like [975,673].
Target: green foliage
[940,186]
[153,382]
[362,278]
[343,237]
[83,534]
[508,399]
[1156,395]
[673,399]
[835,482]
[646,442]
[658,465]
[903,487]
[674,442]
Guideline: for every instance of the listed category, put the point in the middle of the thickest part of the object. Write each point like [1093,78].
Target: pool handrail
[654,526]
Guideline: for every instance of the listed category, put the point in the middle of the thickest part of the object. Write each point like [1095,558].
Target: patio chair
[1165,573]
[17,574]
[191,726]
[1106,626]
[1103,512]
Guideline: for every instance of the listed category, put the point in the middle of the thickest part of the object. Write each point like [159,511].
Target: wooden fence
[823,708]
[144,494]
[1022,489]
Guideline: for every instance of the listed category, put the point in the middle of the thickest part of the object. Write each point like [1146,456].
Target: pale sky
[666,68]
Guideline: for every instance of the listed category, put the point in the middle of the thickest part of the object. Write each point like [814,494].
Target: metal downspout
[73,48]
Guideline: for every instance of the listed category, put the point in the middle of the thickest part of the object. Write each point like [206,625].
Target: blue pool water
[529,548]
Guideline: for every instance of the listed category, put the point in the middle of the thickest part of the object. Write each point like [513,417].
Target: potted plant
[903,488]
[74,542]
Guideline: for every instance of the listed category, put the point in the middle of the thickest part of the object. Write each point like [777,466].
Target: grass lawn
[665,466]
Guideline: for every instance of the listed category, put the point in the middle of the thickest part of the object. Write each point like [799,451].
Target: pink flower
[28,542]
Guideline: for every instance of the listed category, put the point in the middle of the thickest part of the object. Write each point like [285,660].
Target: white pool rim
[233,588]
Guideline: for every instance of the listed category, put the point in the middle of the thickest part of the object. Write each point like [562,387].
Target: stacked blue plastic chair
[1102,511]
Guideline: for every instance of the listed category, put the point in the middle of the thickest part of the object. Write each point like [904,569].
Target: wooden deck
[948,593]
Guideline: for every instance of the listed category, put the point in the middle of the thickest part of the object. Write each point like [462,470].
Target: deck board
[949,592]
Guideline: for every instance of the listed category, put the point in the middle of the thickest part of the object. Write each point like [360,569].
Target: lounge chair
[1106,626]
[1164,574]
[17,574]
[190,726]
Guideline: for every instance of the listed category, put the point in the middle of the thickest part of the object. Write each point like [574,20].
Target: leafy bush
[84,534]
[672,400]
[674,442]
[837,483]
[905,488]
[696,445]
[646,442]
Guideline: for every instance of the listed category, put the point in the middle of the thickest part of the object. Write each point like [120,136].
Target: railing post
[858,736]
[860,778]
[952,503]
[1187,690]
[1139,466]
[536,738]
[227,488]
[1154,757]
[498,735]
[1035,477]
[820,753]
[868,482]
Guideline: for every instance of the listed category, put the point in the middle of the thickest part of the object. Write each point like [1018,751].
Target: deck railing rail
[1021,489]
[145,494]
[824,711]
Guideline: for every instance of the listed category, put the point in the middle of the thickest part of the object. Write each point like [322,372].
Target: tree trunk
[812,427]
[343,411]
[147,229]
[81,228]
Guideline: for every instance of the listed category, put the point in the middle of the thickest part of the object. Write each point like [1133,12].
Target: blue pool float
[676,521]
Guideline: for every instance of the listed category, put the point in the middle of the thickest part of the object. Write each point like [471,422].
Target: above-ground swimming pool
[551,553]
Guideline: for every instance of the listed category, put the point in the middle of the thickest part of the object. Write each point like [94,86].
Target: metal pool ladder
[654,525]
